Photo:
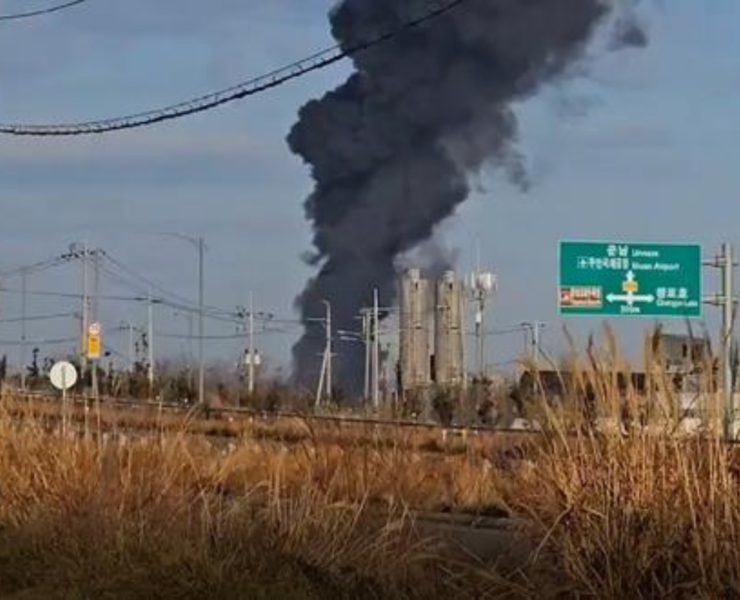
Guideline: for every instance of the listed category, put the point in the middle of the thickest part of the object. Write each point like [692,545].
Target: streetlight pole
[200,246]
[24,345]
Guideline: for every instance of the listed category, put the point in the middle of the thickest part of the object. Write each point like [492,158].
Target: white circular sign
[94,329]
[63,376]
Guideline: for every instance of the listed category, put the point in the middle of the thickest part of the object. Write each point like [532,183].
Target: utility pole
[376,349]
[329,356]
[325,377]
[252,357]
[534,328]
[727,301]
[728,318]
[131,349]
[150,345]
[24,348]
[191,353]
[480,335]
[366,334]
[85,313]
[480,295]
[320,389]
[95,319]
[201,328]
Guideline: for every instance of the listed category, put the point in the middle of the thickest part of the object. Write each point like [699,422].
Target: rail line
[222,413]
[231,415]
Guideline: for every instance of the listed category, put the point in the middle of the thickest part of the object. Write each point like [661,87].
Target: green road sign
[624,279]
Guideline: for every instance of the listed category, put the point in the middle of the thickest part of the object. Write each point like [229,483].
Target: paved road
[500,541]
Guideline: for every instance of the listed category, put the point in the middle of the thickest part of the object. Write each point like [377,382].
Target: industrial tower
[449,346]
[415,323]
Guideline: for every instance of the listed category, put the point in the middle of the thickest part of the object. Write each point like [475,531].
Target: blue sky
[642,144]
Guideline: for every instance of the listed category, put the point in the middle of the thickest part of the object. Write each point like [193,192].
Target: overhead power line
[228,336]
[217,315]
[144,282]
[36,267]
[133,280]
[30,343]
[40,12]
[73,296]
[276,78]
[35,318]
[184,306]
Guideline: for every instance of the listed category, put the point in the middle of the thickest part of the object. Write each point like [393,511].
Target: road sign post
[627,279]
[94,354]
[94,342]
[651,280]
[63,376]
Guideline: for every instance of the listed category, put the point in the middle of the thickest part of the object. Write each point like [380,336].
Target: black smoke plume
[391,150]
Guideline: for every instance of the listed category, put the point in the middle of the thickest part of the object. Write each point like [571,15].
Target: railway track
[225,422]
[231,414]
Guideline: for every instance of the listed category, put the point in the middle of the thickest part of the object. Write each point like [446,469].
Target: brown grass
[169,518]
[621,503]
[173,515]
[638,517]
[636,509]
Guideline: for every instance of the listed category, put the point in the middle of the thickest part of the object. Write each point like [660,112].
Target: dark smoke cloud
[628,32]
[392,149]
[432,257]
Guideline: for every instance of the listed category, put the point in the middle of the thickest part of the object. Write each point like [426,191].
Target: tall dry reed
[625,502]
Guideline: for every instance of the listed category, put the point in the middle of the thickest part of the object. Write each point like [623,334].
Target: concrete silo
[449,346]
[415,323]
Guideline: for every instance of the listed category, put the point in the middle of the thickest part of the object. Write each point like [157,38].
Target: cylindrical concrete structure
[415,363]
[449,346]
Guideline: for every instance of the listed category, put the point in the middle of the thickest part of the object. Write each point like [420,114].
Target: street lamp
[199,244]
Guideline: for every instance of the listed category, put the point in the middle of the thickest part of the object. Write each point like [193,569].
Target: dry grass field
[293,511]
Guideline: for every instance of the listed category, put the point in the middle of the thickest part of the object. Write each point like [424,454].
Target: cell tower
[481,286]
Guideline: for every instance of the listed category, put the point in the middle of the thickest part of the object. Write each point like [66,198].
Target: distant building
[557,385]
[686,359]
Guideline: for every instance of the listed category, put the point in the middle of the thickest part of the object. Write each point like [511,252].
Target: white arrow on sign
[631,299]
